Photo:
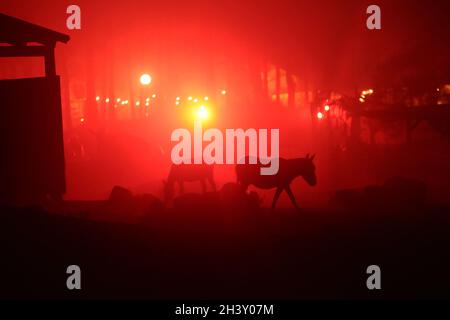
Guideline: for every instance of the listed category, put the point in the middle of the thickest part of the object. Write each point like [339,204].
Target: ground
[228,254]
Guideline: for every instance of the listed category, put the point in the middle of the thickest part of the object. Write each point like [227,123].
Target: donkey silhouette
[187,173]
[289,169]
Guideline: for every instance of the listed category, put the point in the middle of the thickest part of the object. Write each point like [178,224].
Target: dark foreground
[228,254]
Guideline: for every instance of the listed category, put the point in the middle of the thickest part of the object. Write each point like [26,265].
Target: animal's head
[168,191]
[309,171]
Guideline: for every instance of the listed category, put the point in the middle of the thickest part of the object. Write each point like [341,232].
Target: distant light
[327,108]
[82,120]
[319,115]
[147,100]
[138,103]
[118,100]
[178,98]
[145,79]
[223,92]
[107,100]
[206,98]
[371,91]
[437,89]
[147,104]
[195,100]
[97,98]
[126,102]
[190,98]
[361,100]
[177,103]
[154,95]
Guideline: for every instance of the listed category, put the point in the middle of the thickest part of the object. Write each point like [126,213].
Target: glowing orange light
[361,100]
[195,100]
[177,103]
[97,98]
[190,98]
[118,100]
[82,120]
[147,104]
[138,103]
[224,92]
[145,79]
[154,95]
[107,100]
[319,115]
[206,98]
[327,108]
[147,100]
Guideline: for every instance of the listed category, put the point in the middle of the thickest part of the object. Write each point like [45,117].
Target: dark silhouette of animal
[289,169]
[188,173]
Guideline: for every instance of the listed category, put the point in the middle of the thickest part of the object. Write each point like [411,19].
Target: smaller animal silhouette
[188,173]
[289,169]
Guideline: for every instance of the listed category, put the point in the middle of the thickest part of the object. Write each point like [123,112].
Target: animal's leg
[292,197]
[212,183]
[275,197]
[181,185]
[203,182]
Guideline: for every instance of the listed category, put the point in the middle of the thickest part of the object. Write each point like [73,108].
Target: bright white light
[202,112]
[206,98]
[224,92]
[319,115]
[97,98]
[154,95]
[107,100]
[145,79]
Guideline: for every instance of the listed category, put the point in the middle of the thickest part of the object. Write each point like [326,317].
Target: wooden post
[50,66]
